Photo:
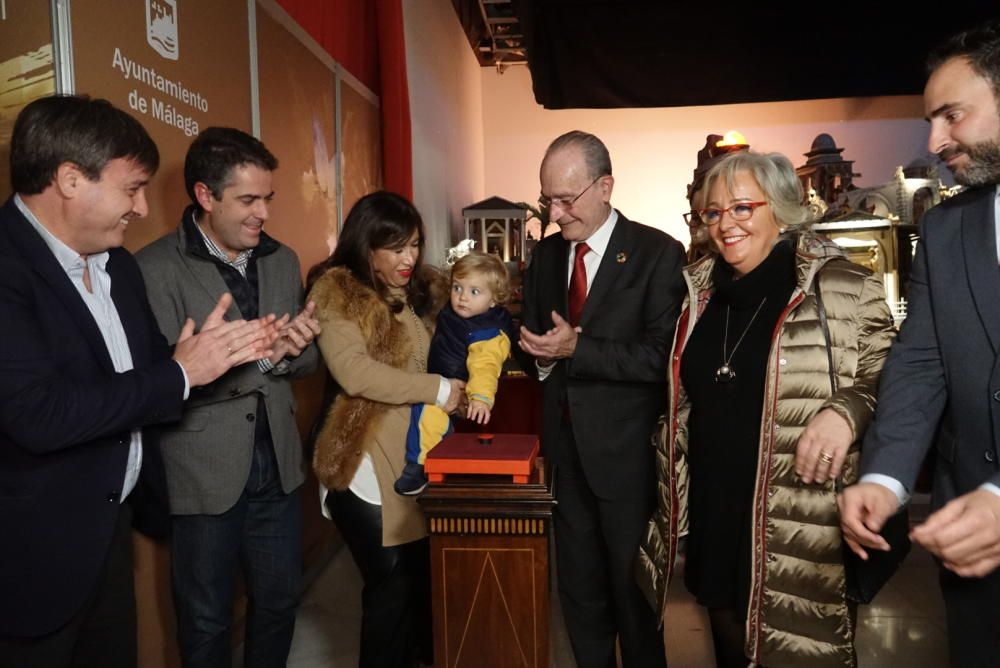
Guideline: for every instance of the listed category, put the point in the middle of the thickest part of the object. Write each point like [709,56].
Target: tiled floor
[904,626]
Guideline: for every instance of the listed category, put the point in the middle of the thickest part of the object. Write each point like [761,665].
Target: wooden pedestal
[490,570]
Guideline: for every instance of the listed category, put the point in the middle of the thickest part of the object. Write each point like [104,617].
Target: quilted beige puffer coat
[797,614]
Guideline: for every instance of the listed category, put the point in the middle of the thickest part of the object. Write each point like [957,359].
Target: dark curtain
[648,53]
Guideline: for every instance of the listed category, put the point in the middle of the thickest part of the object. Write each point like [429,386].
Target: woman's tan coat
[379,360]
[797,613]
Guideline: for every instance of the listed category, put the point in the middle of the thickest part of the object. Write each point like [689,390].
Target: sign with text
[178,66]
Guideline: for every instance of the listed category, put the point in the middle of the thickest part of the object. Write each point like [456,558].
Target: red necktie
[578,284]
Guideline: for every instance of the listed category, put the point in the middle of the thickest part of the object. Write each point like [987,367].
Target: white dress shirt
[598,242]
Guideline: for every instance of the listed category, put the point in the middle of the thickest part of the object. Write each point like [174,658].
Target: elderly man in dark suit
[941,381]
[234,463]
[600,304]
[82,369]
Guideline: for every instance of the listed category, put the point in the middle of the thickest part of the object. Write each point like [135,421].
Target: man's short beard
[984,164]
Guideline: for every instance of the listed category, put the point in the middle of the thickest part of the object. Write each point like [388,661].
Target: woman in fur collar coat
[377,304]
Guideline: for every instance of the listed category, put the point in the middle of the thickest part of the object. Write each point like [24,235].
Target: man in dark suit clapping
[83,368]
[600,305]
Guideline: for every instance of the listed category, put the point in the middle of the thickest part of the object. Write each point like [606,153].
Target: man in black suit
[600,304]
[941,382]
[82,368]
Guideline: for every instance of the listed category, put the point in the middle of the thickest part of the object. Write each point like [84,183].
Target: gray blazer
[207,454]
[941,381]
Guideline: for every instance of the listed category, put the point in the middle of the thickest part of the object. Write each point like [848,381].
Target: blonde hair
[775,175]
[489,266]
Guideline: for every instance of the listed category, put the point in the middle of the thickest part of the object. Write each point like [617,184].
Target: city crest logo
[161,27]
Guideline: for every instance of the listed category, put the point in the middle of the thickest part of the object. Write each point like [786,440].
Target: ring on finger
[826,457]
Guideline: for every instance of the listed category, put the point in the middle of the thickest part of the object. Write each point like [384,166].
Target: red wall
[347,29]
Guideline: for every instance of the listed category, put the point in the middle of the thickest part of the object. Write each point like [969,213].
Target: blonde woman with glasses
[755,436]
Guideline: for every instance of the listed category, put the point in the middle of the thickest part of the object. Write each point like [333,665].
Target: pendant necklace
[725,373]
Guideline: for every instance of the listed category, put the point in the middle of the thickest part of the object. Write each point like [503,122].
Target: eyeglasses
[739,211]
[564,203]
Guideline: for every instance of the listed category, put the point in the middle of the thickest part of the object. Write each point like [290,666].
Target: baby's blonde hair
[488,265]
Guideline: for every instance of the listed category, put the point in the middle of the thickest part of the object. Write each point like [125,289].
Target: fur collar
[349,424]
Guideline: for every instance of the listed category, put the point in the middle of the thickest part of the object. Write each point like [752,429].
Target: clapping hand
[221,345]
[296,334]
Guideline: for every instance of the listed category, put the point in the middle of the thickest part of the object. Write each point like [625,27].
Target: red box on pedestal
[483,454]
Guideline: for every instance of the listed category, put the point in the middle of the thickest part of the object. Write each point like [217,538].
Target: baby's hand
[479,411]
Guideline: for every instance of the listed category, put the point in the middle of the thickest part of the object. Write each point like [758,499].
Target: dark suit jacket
[942,376]
[614,385]
[207,455]
[65,418]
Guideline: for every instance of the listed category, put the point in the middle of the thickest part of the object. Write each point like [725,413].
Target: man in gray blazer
[941,382]
[234,462]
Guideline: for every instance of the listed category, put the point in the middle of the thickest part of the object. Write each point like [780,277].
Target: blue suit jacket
[941,381]
[65,418]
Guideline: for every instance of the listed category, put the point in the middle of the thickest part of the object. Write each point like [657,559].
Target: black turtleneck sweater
[724,424]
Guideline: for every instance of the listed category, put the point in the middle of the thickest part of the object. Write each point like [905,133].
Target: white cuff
[544,369]
[990,487]
[444,391]
[187,383]
[890,482]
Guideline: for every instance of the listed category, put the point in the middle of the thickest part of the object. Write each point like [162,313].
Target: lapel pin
[621,257]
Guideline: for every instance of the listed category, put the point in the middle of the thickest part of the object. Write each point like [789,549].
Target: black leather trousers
[395,600]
